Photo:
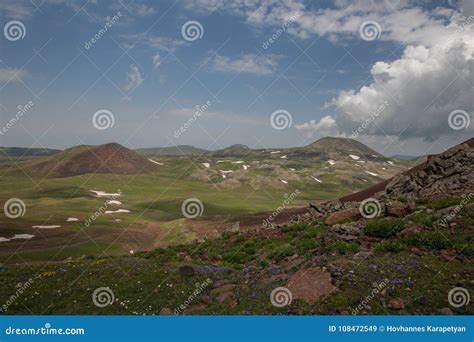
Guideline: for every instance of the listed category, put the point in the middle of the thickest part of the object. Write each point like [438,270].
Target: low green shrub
[282,251]
[343,247]
[444,203]
[466,249]
[432,240]
[384,228]
[422,218]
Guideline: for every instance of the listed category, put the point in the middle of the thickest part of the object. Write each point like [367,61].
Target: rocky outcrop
[447,174]
[347,232]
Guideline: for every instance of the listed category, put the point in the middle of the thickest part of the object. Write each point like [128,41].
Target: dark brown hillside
[108,158]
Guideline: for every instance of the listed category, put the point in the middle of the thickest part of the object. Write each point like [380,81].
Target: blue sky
[150,77]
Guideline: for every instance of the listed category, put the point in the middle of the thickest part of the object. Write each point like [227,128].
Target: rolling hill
[108,158]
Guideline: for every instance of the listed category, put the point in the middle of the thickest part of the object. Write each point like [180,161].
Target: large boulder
[396,209]
[352,214]
[311,284]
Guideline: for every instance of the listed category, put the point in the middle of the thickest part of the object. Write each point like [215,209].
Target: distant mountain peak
[342,146]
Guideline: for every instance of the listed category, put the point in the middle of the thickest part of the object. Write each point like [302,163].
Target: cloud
[12,75]
[323,126]
[134,78]
[156,59]
[433,77]
[420,90]
[13,9]
[248,63]
[140,10]
[400,20]
[153,42]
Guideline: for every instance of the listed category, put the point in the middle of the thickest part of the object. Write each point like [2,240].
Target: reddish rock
[228,298]
[396,304]
[412,230]
[222,289]
[396,209]
[417,251]
[166,312]
[311,284]
[344,215]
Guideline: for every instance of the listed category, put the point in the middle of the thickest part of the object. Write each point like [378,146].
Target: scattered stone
[347,231]
[191,270]
[222,289]
[412,230]
[228,298]
[166,312]
[275,279]
[362,255]
[396,304]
